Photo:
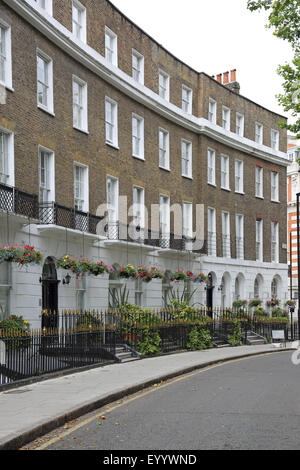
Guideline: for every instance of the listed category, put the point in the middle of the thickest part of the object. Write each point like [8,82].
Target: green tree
[284,19]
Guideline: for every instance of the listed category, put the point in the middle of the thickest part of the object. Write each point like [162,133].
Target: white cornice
[95,62]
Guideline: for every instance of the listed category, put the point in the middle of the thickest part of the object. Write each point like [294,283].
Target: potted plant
[156,273]
[255,303]
[291,304]
[69,263]
[98,268]
[260,312]
[239,304]
[30,255]
[128,272]
[10,253]
[273,302]
[144,274]
[179,275]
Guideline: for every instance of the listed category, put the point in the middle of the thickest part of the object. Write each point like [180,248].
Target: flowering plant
[30,255]
[255,303]
[98,268]
[128,272]
[290,303]
[10,253]
[273,302]
[179,276]
[260,312]
[69,263]
[156,273]
[144,274]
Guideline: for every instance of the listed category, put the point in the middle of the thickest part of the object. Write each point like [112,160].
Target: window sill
[81,130]
[275,201]
[226,189]
[7,87]
[240,192]
[187,177]
[46,110]
[138,157]
[110,144]
[166,169]
[259,197]
[212,184]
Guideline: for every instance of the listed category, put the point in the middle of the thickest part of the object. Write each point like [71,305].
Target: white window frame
[239,232]
[164,216]
[187,219]
[226,240]
[6,56]
[187,102]
[112,48]
[138,208]
[113,125]
[226,118]
[165,149]
[138,71]
[50,184]
[275,187]
[211,166]
[187,161]
[9,158]
[239,176]
[259,240]
[211,231]
[164,89]
[212,111]
[48,8]
[240,124]
[112,207]
[138,138]
[259,182]
[274,139]
[274,242]
[85,183]
[259,133]
[225,177]
[49,82]
[82,25]
[82,106]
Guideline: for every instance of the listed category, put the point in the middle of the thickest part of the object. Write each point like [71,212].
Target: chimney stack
[229,82]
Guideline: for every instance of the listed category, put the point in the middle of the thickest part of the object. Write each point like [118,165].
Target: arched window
[256,289]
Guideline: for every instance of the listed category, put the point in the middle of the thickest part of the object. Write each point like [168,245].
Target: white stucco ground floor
[23,290]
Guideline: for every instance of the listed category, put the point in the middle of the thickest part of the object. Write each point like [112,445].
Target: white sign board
[278,334]
[2,352]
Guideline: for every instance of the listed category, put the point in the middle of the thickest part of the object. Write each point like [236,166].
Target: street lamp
[298,257]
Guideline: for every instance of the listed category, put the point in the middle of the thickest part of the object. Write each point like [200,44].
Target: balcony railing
[18,202]
[156,239]
[56,214]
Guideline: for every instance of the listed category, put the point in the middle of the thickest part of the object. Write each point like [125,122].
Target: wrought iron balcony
[128,233]
[56,214]
[18,202]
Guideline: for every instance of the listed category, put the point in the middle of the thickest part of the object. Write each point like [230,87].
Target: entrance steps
[125,354]
[254,339]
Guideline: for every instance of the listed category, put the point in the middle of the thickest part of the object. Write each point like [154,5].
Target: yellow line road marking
[141,395]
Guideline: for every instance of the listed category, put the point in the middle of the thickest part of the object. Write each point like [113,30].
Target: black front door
[50,294]
[210,294]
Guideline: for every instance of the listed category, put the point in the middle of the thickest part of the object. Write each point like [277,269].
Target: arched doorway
[50,293]
[226,290]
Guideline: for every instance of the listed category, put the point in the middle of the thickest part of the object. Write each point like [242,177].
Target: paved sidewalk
[38,408]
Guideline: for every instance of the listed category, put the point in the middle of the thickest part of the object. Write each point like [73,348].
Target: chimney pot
[233,75]
[225,78]
[219,78]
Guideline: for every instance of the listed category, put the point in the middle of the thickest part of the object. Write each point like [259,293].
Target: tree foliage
[284,19]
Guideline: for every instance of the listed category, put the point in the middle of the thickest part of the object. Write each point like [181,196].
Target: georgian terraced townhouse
[93,108]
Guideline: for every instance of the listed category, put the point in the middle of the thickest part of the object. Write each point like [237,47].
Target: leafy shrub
[149,346]
[199,338]
[236,337]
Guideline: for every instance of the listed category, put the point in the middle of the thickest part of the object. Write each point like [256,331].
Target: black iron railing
[18,202]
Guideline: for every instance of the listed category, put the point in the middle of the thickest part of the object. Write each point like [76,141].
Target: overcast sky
[215,36]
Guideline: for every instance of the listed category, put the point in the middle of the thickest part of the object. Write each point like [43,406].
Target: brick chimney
[229,80]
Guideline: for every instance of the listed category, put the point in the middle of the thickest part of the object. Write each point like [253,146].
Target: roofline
[185,64]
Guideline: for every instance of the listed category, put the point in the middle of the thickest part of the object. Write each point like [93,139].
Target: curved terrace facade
[93,112]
